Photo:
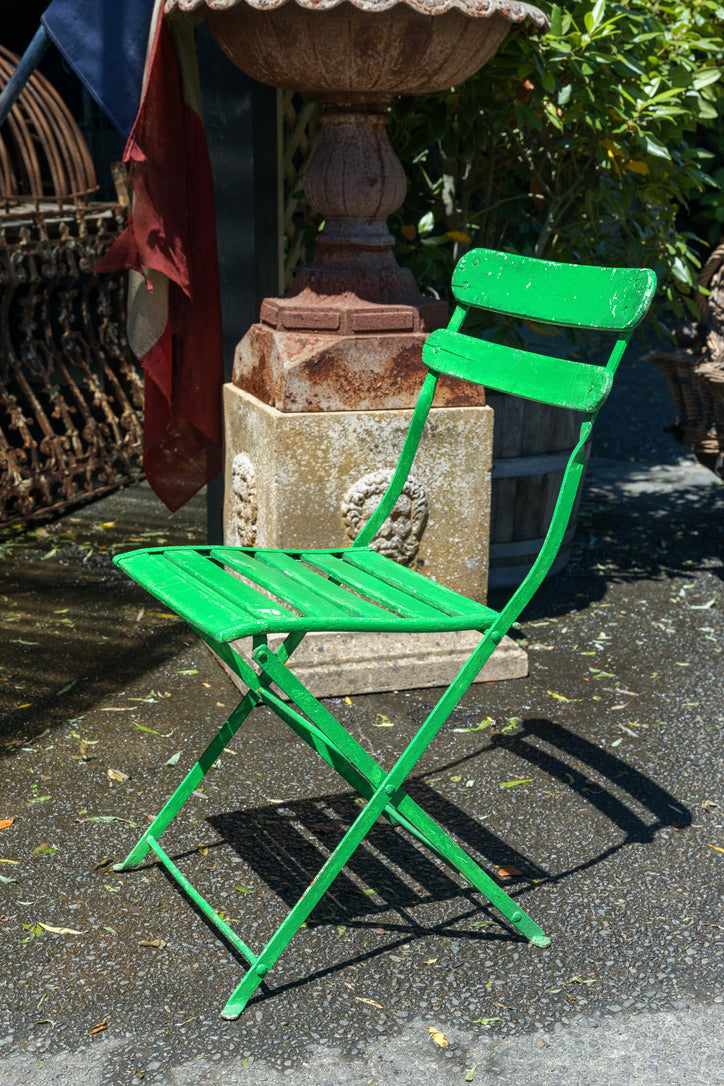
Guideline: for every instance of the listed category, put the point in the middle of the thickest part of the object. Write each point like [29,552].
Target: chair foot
[137,854]
[233,1009]
[244,990]
[540,940]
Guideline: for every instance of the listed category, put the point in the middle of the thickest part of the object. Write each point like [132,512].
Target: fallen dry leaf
[159,944]
[60,931]
[45,849]
[6,822]
[116,775]
[715,847]
[99,1028]
[372,1002]
[509,871]
[439,1038]
[558,697]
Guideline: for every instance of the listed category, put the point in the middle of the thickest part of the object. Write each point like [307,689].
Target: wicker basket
[695,377]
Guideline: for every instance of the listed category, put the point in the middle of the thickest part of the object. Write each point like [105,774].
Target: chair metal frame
[226,593]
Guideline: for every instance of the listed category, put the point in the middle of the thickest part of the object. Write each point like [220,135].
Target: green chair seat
[283,591]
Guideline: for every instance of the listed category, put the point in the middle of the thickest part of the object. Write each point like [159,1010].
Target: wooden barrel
[531,446]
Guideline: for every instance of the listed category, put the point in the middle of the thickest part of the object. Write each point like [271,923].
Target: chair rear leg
[360,770]
[311,896]
[192,780]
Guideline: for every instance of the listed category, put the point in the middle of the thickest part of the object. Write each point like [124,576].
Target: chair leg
[404,812]
[315,891]
[197,773]
[360,770]
[192,780]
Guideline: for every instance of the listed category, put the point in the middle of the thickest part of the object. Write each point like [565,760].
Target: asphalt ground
[592,789]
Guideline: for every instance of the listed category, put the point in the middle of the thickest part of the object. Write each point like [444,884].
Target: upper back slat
[572,295]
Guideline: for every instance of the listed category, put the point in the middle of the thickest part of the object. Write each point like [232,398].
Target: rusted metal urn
[356,56]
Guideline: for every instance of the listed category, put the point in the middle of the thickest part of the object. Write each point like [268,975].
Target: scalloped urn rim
[516,11]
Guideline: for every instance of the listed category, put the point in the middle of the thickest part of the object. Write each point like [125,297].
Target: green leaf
[705,77]
[681,271]
[706,111]
[549,81]
[556,21]
[655,147]
[598,11]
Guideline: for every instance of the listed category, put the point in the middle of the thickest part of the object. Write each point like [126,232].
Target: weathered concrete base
[334,665]
[311,479]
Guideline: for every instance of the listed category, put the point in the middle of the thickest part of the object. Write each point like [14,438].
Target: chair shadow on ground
[286,844]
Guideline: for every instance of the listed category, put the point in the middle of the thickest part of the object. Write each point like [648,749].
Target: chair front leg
[215,748]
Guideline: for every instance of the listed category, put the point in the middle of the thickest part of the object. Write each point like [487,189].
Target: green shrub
[584,144]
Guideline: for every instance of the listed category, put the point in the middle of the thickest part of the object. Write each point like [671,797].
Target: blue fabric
[105,42]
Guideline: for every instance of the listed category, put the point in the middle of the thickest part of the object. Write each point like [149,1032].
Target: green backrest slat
[307,597]
[211,578]
[443,598]
[327,590]
[574,295]
[558,381]
[382,593]
[179,591]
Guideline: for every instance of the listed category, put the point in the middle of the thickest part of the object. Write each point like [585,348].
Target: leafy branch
[589,144]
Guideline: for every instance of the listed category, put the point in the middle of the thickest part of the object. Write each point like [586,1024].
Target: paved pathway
[614,838]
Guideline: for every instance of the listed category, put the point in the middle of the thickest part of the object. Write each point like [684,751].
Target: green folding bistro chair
[226,593]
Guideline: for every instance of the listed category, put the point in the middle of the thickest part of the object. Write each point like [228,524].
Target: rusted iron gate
[71,392]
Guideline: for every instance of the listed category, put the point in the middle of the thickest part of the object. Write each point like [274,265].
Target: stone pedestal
[311,479]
